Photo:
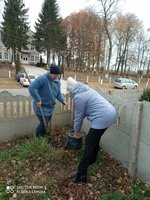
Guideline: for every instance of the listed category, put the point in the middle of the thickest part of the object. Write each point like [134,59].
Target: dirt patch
[9,83]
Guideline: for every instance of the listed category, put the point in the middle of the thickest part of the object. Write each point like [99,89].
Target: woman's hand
[77,135]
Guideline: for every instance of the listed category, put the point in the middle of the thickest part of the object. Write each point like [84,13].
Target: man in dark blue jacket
[45,90]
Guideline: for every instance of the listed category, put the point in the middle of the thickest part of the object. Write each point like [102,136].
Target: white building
[27,56]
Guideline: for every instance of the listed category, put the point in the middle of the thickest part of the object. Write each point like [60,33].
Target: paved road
[36,71]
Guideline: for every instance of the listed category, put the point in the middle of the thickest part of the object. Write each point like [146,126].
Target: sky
[140,8]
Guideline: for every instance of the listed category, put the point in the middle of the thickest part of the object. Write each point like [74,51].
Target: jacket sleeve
[34,86]
[60,97]
[80,107]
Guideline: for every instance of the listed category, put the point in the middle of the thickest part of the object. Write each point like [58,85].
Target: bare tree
[143,52]
[109,8]
[125,30]
[85,32]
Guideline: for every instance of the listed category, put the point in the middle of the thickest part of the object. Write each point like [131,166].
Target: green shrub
[112,196]
[145,96]
[140,72]
[119,196]
[41,63]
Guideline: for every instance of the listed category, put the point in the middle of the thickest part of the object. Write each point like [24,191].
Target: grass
[28,149]
[40,171]
[25,163]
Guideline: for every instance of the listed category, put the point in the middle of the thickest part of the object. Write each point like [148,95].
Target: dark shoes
[79,177]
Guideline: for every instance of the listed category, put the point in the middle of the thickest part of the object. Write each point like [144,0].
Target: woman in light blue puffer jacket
[101,115]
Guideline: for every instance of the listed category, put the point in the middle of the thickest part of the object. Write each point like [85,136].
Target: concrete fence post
[147,82]
[87,79]
[9,74]
[139,81]
[134,139]
[99,79]
[110,79]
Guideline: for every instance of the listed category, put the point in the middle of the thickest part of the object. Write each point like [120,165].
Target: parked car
[125,83]
[19,75]
[24,80]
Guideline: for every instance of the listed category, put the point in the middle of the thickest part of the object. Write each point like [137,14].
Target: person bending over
[101,115]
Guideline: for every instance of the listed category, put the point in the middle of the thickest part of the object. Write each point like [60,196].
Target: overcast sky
[140,8]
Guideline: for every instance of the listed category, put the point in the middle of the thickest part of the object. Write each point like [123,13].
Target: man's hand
[65,103]
[77,135]
[39,103]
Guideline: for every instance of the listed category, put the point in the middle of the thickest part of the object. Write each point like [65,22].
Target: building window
[32,59]
[32,47]
[25,58]
[0,55]
[6,56]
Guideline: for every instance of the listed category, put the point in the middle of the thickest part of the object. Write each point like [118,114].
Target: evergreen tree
[15,26]
[49,35]
[18,68]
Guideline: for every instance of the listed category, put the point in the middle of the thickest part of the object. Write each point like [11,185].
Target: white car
[125,83]
[24,80]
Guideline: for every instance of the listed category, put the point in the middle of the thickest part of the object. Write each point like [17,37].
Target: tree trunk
[48,56]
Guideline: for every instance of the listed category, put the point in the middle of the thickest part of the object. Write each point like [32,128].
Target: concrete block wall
[17,117]
[130,94]
[128,140]
[143,162]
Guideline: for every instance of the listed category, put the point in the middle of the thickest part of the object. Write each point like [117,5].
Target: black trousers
[92,144]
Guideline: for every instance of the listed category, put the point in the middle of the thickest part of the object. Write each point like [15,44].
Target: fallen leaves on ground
[52,170]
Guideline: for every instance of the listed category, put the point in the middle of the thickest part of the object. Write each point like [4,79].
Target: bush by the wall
[145,96]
